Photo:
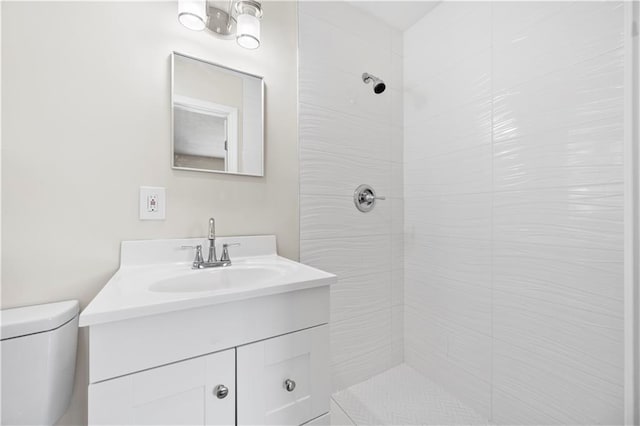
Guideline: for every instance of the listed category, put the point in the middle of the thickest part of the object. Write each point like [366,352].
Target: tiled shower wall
[514,207]
[350,136]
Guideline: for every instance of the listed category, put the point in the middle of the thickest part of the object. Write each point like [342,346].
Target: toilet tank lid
[16,322]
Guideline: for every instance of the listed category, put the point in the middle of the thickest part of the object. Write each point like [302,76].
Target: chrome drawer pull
[289,385]
[221,391]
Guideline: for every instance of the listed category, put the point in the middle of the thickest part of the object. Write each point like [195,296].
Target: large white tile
[457,359]
[324,217]
[450,32]
[360,347]
[451,279]
[555,385]
[358,336]
[512,20]
[331,174]
[585,339]
[326,130]
[590,276]
[360,294]
[349,19]
[465,305]
[471,351]
[462,216]
[586,216]
[586,154]
[462,128]
[584,95]
[360,368]
[582,31]
[318,40]
[348,256]
[511,408]
[464,83]
[462,172]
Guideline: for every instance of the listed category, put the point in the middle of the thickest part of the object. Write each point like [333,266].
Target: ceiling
[398,14]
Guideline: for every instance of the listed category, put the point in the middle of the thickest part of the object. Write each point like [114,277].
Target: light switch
[152,203]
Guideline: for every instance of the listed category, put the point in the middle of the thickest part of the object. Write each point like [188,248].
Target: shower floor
[400,396]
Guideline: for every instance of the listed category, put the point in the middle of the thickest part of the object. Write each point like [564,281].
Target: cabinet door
[284,380]
[183,393]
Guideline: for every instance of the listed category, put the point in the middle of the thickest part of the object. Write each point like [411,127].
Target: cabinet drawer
[183,393]
[284,380]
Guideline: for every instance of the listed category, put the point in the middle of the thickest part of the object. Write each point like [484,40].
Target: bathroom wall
[350,136]
[86,122]
[514,226]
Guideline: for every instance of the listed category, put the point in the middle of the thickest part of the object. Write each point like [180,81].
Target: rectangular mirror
[217,118]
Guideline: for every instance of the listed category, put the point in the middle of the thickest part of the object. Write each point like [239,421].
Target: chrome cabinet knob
[289,385]
[221,391]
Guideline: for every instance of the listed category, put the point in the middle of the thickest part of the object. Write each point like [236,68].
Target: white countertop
[149,282]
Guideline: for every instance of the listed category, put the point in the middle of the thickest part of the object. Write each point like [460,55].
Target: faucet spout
[212,229]
[212,241]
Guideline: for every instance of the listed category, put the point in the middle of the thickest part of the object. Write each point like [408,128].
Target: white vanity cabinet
[283,380]
[199,391]
[165,368]
[244,344]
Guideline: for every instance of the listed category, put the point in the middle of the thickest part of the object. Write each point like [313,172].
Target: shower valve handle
[369,197]
[364,197]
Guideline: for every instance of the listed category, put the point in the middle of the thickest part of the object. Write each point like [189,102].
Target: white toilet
[38,354]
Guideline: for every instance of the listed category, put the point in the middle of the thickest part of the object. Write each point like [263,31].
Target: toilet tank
[38,355]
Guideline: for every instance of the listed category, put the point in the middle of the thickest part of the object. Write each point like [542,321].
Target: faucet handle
[198,259]
[225,252]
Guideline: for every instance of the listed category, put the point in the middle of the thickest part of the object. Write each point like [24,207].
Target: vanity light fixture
[239,19]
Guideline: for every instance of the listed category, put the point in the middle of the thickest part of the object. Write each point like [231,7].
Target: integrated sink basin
[225,279]
[156,277]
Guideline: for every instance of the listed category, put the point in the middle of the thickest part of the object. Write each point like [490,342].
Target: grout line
[492,223]
[343,411]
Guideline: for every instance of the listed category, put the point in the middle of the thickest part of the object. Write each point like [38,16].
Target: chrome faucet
[212,260]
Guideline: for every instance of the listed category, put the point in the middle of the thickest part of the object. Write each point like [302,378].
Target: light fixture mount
[221,23]
[239,19]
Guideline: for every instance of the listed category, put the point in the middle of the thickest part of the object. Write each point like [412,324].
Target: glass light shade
[248,31]
[193,14]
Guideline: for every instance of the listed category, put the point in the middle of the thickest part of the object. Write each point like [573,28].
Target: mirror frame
[173,101]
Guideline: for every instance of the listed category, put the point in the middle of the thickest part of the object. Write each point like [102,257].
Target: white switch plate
[152,203]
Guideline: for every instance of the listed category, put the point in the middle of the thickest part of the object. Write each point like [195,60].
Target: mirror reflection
[217,118]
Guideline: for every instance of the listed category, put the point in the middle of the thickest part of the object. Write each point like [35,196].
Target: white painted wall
[350,136]
[85,122]
[514,227]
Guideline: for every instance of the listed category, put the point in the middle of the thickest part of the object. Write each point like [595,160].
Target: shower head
[378,84]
